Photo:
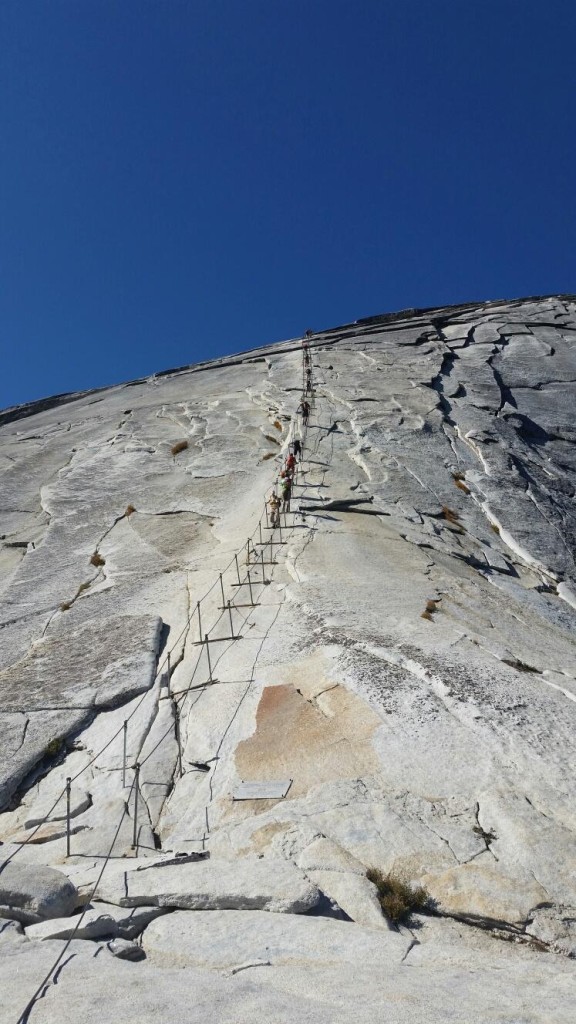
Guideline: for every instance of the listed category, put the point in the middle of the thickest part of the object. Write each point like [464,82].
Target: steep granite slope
[395,669]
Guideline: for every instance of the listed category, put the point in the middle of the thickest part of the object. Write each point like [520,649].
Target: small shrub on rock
[397,897]
[129,510]
[97,559]
[180,446]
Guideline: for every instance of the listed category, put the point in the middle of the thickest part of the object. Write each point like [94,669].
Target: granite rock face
[401,664]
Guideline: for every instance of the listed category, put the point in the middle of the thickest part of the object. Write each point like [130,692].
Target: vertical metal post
[208,656]
[178,743]
[68,786]
[250,587]
[199,621]
[266,512]
[168,666]
[125,745]
[230,615]
[260,529]
[280,528]
[237,569]
[136,792]
[262,560]
[248,551]
[222,590]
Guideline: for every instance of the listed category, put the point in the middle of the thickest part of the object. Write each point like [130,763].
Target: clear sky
[180,179]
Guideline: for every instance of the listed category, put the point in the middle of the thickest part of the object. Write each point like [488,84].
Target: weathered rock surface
[405,659]
[224,938]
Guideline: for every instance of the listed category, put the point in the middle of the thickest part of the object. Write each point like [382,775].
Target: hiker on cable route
[274,506]
[304,410]
[286,493]
[291,463]
[297,448]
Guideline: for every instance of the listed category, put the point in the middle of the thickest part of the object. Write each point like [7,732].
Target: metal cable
[158,672]
[24,1016]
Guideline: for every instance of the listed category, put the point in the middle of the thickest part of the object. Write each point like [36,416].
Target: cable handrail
[158,673]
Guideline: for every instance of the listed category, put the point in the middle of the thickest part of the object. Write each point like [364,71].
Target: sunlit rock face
[407,670]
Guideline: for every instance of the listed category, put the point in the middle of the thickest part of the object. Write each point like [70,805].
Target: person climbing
[304,410]
[309,333]
[274,506]
[291,463]
[286,493]
[297,446]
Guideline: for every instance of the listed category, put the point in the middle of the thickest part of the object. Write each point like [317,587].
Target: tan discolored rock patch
[308,740]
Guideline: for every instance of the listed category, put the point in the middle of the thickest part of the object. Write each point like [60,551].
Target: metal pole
[230,614]
[266,513]
[125,727]
[168,666]
[237,569]
[177,730]
[250,586]
[199,621]
[136,792]
[280,529]
[68,785]
[260,529]
[222,589]
[208,655]
[262,559]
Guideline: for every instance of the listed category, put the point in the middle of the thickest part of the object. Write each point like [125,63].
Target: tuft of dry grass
[278,425]
[65,606]
[83,586]
[397,897]
[269,455]
[453,518]
[129,510]
[450,515]
[180,446]
[97,560]
[273,440]
[460,484]
[431,607]
[495,528]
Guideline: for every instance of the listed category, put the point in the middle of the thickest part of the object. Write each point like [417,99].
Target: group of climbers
[277,503]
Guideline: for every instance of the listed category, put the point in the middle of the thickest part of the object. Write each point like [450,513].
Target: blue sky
[180,179]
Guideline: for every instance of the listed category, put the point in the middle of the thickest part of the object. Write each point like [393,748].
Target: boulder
[31,893]
[244,884]
[123,949]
